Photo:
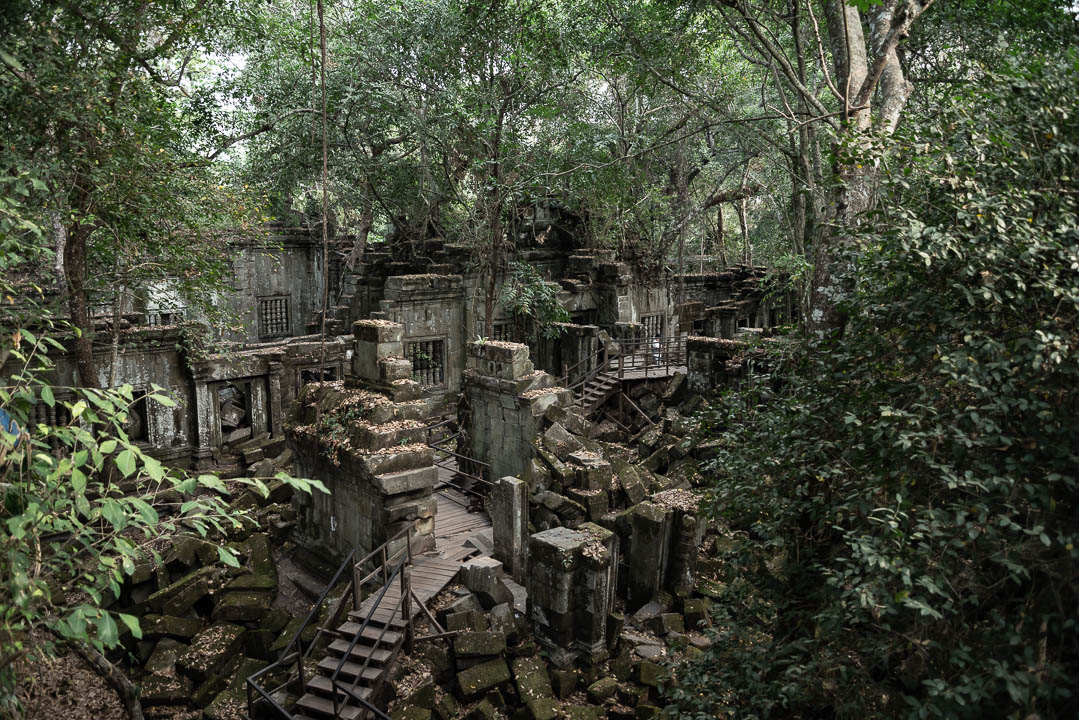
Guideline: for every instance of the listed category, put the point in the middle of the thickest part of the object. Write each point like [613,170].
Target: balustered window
[428,361]
[653,325]
[273,317]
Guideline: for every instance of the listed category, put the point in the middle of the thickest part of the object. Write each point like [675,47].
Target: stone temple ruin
[511,529]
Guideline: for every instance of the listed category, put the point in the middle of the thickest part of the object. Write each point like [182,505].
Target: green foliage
[533,302]
[82,504]
[903,499]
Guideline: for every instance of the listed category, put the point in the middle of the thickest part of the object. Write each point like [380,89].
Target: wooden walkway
[459,535]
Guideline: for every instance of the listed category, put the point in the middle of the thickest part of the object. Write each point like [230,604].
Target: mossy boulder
[210,651]
[477,680]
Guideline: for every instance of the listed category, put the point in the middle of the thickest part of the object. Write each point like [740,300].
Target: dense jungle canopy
[899,479]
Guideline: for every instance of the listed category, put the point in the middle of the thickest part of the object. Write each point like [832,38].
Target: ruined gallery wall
[276,285]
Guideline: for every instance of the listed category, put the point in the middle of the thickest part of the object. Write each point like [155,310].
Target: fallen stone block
[210,651]
[477,680]
[479,644]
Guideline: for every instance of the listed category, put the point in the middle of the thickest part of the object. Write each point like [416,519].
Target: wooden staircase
[596,391]
[362,665]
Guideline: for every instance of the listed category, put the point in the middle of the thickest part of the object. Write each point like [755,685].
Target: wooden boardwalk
[459,535]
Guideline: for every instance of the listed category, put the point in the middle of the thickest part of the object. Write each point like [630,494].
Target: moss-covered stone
[483,711]
[210,650]
[177,598]
[479,644]
[447,708]
[477,680]
[410,712]
[602,690]
[170,689]
[564,682]
[247,606]
[542,708]
[530,674]
[649,673]
[155,627]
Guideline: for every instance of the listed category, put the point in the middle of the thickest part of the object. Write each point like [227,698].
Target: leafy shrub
[904,498]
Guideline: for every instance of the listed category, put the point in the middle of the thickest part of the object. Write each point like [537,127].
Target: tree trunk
[79,305]
[127,691]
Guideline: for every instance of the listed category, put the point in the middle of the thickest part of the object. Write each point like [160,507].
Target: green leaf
[107,632]
[113,511]
[146,511]
[47,396]
[126,462]
[164,400]
[132,624]
[213,482]
[228,556]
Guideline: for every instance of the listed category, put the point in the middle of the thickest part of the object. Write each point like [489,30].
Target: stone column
[509,515]
[571,578]
[650,540]
[505,399]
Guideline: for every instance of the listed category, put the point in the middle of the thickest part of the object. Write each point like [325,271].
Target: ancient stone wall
[505,399]
[364,439]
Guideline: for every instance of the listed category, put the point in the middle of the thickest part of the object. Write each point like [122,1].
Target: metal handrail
[289,655]
[609,363]
[363,627]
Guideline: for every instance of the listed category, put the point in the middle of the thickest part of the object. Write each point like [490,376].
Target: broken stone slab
[177,598]
[595,502]
[697,612]
[190,551]
[477,680]
[479,644]
[650,674]
[504,620]
[162,660]
[156,627]
[261,468]
[210,650]
[169,690]
[469,620]
[569,418]
[481,576]
[253,455]
[237,435]
[530,674]
[468,603]
[561,442]
[666,623]
[570,513]
[405,481]
[602,690]
[242,606]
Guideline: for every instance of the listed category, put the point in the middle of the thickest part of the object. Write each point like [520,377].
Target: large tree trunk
[79,305]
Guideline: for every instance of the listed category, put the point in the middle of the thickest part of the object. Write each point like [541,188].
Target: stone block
[650,538]
[570,587]
[177,598]
[697,612]
[602,690]
[595,502]
[564,682]
[406,481]
[169,626]
[530,674]
[482,576]
[210,651]
[561,442]
[477,680]
[242,606]
[479,644]
[509,517]
[649,674]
